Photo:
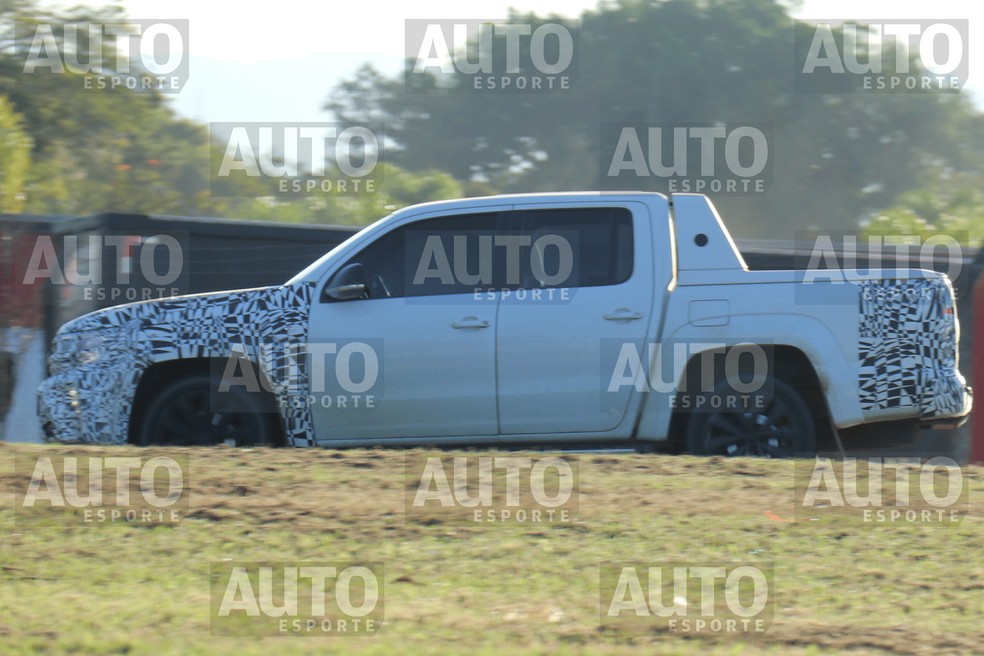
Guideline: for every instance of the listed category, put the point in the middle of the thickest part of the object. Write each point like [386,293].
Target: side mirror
[348,284]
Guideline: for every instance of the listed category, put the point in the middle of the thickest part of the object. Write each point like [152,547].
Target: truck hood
[165,311]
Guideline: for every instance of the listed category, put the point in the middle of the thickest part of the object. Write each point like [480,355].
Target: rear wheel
[784,428]
[190,412]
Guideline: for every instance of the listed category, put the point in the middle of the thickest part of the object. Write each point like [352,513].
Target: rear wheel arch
[787,364]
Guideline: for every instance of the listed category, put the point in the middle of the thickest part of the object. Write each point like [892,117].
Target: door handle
[623,314]
[470,323]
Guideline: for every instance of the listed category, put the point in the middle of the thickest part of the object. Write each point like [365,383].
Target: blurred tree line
[837,159]
[880,160]
[65,149]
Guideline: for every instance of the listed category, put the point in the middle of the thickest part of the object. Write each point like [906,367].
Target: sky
[279,65]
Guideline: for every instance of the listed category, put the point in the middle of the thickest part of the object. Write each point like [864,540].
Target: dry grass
[504,588]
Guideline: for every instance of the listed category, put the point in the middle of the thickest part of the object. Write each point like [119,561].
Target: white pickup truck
[602,318]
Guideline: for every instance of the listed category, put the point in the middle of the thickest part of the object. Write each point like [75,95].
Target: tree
[399,188]
[952,206]
[96,150]
[15,158]
[835,158]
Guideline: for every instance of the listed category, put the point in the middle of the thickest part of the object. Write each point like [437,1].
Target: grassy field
[453,587]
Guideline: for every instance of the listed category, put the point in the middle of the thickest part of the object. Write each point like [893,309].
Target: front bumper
[78,406]
[59,410]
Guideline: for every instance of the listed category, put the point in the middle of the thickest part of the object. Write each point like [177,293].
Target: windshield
[310,271]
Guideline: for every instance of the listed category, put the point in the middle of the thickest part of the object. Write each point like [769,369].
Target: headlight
[80,348]
[65,345]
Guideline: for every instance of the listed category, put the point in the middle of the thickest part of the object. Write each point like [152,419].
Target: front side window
[447,255]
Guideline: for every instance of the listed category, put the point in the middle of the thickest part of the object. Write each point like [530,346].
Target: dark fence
[219,254]
[56,268]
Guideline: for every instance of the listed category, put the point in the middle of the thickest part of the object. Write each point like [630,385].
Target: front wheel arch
[157,377]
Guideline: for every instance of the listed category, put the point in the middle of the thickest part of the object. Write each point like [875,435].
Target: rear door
[586,289]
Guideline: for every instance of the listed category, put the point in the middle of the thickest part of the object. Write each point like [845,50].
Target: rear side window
[579,247]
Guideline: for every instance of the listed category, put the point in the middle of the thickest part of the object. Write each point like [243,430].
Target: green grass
[453,587]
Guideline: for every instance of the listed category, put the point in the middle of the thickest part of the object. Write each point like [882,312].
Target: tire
[184,414]
[783,429]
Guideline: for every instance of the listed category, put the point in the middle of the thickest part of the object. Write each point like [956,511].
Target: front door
[419,337]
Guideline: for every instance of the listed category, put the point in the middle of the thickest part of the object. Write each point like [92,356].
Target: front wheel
[784,428]
[189,412]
